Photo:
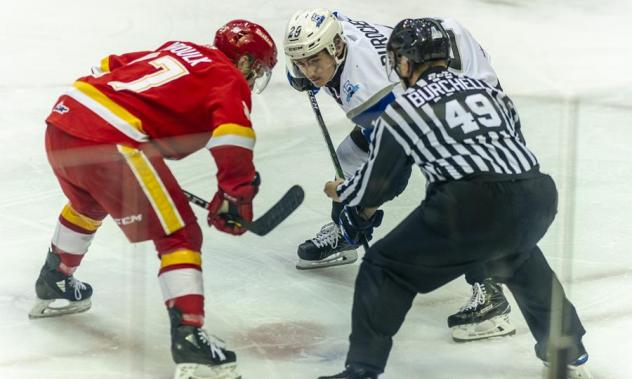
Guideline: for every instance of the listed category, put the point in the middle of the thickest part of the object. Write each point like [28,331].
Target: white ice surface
[285,323]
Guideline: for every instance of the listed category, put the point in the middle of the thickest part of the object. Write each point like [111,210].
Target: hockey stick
[330,146]
[323,129]
[272,218]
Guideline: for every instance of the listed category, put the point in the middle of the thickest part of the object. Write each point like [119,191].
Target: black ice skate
[576,367]
[328,248]
[485,315]
[353,372]
[198,355]
[578,370]
[57,293]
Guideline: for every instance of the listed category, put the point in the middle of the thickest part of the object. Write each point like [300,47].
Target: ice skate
[579,369]
[57,293]
[575,370]
[198,355]
[353,372]
[485,315]
[327,249]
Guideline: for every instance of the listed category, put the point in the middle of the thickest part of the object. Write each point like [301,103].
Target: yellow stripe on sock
[76,218]
[179,257]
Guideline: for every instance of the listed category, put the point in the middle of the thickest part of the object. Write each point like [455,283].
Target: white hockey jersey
[362,86]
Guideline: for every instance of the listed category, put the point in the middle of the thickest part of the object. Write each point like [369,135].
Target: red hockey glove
[227,210]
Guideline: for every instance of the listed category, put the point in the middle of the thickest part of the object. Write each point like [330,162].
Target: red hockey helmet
[241,37]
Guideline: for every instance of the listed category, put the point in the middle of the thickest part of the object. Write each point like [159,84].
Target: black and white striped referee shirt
[453,127]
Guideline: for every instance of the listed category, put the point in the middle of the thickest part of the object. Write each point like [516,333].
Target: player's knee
[189,237]
[351,156]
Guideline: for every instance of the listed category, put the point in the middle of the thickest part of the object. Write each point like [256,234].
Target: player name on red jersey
[189,54]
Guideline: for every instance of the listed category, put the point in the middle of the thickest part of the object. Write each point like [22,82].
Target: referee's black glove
[356,228]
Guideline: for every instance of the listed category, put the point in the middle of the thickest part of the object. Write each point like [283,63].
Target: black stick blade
[292,199]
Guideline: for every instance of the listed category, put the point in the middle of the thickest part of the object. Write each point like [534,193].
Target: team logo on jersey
[61,108]
[350,89]
[318,19]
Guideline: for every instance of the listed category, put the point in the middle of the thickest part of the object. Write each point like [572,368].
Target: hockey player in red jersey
[106,140]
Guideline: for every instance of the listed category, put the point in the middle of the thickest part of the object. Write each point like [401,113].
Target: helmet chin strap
[338,62]
[246,69]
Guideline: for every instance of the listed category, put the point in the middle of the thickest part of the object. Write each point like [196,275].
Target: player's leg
[532,285]
[195,353]
[394,270]
[58,291]
[328,247]
[485,314]
[453,231]
[155,208]
[425,251]
[529,276]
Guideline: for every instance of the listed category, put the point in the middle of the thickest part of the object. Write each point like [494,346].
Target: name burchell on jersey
[465,128]
[452,127]
[443,84]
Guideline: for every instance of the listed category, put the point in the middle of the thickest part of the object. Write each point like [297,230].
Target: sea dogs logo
[61,108]
[318,19]
[350,89]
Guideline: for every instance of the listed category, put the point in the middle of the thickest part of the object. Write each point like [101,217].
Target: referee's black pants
[459,226]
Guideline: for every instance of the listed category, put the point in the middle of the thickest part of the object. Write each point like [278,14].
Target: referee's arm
[377,181]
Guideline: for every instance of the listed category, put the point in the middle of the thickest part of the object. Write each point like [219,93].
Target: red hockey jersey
[181,97]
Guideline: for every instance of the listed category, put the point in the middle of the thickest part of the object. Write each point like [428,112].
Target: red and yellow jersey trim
[154,189]
[104,65]
[232,135]
[117,116]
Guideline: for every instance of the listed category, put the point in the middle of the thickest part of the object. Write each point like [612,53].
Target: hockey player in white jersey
[347,58]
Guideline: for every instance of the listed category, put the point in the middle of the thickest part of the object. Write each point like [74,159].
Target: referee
[486,203]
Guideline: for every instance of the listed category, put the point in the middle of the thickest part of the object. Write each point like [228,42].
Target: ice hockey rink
[566,65]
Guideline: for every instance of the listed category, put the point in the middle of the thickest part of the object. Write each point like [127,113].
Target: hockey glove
[355,228]
[301,84]
[226,211]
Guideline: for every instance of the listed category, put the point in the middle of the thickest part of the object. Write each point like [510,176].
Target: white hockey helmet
[311,30]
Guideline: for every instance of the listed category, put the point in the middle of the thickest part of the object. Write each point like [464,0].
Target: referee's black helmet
[420,40]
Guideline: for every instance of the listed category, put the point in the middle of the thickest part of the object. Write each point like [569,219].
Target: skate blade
[578,372]
[494,327]
[573,372]
[200,371]
[46,308]
[338,259]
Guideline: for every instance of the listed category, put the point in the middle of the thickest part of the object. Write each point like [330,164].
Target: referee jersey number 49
[455,127]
